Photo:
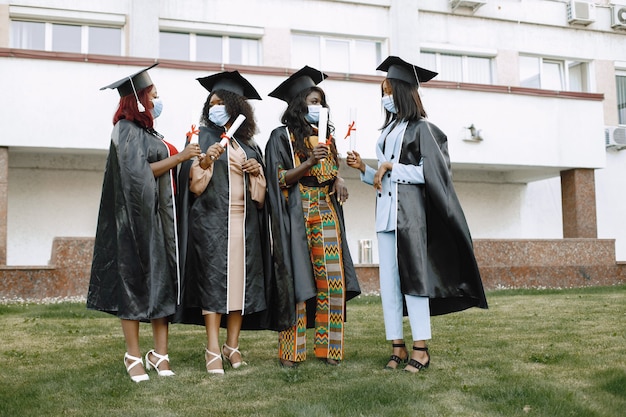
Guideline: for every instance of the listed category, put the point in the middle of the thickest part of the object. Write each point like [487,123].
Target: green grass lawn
[533,353]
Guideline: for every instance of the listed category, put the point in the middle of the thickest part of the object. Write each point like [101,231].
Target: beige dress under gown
[200,178]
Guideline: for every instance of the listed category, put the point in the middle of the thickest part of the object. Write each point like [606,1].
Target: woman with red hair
[135,269]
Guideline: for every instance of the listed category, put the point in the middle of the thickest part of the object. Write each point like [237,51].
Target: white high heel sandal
[219,371]
[228,357]
[135,361]
[161,358]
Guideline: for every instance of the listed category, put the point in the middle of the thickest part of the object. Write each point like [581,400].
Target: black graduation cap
[139,80]
[230,81]
[399,69]
[304,78]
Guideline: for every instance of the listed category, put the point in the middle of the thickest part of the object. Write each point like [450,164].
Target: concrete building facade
[526,91]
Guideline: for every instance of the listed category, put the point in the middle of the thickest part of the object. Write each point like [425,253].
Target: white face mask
[218,114]
[388,104]
[313,116]
[158,107]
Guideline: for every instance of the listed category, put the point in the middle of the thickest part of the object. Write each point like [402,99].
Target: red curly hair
[127,108]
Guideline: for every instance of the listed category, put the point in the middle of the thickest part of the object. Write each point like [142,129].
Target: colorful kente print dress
[321,304]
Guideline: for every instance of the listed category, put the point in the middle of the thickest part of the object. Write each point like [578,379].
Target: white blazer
[387,198]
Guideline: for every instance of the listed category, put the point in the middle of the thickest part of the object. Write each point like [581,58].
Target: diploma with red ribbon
[352,129]
[193,131]
[228,135]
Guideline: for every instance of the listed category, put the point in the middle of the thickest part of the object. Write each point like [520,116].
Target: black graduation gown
[449,274]
[291,255]
[203,230]
[134,272]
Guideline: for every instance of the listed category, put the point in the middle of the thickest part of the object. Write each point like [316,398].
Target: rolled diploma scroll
[322,125]
[353,130]
[192,136]
[233,128]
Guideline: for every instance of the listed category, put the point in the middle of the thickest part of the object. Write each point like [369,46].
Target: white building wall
[518,130]
[541,211]
[492,210]
[611,201]
[60,198]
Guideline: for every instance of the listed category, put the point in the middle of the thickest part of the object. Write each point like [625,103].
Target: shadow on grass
[525,396]
[613,382]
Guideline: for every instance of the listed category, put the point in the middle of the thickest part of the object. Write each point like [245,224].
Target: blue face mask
[389,104]
[218,114]
[157,109]
[313,116]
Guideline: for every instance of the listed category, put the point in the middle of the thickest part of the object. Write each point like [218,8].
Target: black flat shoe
[397,359]
[332,362]
[284,363]
[418,365]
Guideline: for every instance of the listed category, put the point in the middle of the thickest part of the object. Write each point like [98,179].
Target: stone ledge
[544,252]
[552,276]
[533,263]
[67,274]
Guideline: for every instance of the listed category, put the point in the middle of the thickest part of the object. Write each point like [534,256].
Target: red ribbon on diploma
[192,132]
[350,129]
[328,141]
[225,139]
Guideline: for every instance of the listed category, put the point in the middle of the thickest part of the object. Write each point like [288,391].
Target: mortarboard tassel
[139,105]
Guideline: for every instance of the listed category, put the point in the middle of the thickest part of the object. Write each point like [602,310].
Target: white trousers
[391,296]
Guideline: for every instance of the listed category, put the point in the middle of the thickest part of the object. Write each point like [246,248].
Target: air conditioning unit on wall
[455,4]
[581,12]
[618,16]
[615,137]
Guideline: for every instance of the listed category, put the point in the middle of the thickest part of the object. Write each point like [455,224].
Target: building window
[28,35]
[59,37]
[350,56]
[104,41]
[242,51]
[554,74]
[174,46]
[208,48]
[66,38]
[620,81]
[458,68]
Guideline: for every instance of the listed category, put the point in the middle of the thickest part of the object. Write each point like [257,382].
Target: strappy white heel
[219,371]
[135,361]
[161,358]
[228,357]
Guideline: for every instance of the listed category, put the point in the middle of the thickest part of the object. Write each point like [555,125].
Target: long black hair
[407,100]
[294,119]
[235,105]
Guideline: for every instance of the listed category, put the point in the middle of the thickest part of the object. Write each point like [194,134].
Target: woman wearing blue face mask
[427,264]
[309,242]
[135,267]
[224,225]
[157,107]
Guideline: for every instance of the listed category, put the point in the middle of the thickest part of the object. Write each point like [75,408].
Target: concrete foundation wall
[559,263]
